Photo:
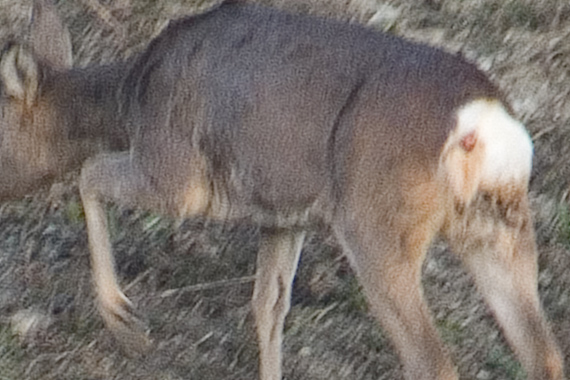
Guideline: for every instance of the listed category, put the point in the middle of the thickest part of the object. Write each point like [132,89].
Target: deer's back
[283,106]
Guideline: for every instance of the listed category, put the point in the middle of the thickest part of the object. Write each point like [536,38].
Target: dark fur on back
[264,94]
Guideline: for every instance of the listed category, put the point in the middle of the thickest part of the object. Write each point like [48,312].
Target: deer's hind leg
[386,232]
[390,277]
[117,178]
[495,240]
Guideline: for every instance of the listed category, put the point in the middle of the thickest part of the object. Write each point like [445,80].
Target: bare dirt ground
[193,283]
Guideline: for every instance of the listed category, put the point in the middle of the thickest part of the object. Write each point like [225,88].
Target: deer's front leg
[276,265]
[109,177]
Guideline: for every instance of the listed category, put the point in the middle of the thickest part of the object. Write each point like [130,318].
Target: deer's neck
[89,105]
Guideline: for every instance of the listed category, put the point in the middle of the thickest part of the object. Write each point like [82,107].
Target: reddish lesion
[462,164]
[468,141]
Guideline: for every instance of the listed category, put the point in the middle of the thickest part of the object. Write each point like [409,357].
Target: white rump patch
[487,149]
[508,147]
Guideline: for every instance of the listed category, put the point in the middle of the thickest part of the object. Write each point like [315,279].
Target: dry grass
[206,332]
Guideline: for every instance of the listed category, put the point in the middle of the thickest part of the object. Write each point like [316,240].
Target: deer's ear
[19,74]
[49,38]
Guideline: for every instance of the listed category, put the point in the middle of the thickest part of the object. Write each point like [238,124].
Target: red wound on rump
[468,142]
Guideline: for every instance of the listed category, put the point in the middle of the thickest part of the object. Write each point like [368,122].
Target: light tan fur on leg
[114,306]
[277,261]
[494,238]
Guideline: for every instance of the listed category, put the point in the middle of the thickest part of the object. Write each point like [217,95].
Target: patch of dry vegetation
[206,331]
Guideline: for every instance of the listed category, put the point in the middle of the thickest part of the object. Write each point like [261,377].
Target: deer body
[249,112]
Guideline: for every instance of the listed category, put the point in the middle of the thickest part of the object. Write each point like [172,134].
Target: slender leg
[507,278]
[276,266]
[391,281]
[388,259]
[510,291]
[109,178]
[386,225]
[113,177]
[115,308]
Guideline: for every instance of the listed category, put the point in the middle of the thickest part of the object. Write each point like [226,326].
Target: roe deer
[283,120]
